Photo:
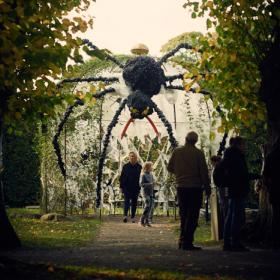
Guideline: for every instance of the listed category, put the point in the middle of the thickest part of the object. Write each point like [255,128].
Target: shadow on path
[131,246]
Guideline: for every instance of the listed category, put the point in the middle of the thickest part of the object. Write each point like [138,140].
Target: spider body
[144,77]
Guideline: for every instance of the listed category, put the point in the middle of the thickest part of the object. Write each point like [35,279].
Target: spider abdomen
[144,74]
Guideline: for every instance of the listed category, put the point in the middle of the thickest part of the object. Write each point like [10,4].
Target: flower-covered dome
[140,49]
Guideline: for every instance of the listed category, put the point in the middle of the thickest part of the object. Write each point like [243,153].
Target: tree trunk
[270,94]
[43,175]
[8,237]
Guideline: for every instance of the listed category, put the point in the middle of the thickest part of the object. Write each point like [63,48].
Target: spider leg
[166,123]
[204,92]
[153,126]
[67,113]
[172,52]
[89,79]
[174,77]
[126,127]
[100,94]
[109,57]
[222,144]
[56,146]
[175,87]
[103,152]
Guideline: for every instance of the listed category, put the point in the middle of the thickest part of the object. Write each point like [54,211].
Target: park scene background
[234,59]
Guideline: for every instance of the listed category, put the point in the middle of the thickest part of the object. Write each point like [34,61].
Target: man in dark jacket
[129,184]
[238,188]
[188,165]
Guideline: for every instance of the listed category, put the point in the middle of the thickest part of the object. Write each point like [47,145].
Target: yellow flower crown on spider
[144,113]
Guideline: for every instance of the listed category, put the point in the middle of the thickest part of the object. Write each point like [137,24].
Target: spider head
[144,74]
[139,105]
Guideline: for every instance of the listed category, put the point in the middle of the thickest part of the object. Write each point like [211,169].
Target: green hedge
[21,178]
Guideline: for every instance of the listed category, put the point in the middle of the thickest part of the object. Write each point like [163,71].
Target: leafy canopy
[36,41]
[240,34]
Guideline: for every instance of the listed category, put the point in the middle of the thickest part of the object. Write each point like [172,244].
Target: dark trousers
[223,208]
[130,200]
[189,200]
[235,219]
[223,201]
[276,225]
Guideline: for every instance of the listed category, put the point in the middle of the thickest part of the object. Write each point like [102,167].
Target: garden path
[131,246]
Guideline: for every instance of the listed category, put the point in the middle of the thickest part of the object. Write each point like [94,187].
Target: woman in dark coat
[129,184]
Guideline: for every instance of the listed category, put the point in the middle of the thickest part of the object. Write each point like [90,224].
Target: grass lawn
[202,234]
[34,232]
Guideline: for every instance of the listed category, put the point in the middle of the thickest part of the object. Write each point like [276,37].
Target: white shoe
[133,220]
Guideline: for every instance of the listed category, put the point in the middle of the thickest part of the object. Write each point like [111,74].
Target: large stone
[53,217]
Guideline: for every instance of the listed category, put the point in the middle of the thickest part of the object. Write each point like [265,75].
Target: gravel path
[131,246]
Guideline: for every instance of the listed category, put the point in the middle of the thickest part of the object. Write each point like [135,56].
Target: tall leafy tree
[241,63]
[37,39]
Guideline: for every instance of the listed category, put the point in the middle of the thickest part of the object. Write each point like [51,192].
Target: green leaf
[193,15]
[97,53]
[208,23]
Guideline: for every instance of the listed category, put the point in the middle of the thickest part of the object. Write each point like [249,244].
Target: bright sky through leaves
[120,24]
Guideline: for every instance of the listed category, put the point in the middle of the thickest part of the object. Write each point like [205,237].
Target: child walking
[147,186]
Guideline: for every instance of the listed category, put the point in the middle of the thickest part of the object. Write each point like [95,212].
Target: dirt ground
[131,246]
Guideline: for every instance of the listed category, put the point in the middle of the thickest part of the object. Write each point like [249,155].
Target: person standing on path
[147,185]
[129,184]
[238,188]
[189,166]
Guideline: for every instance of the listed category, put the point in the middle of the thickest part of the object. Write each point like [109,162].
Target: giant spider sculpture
[144,77]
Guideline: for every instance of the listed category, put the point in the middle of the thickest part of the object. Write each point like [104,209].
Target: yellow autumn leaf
[209,4]
[66,22]
[212,135]
[80,94]
[92,89]
[232,57]
[92,102]
[221,129]
[101,86]
[188,75]
[187,86]
[18,115]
